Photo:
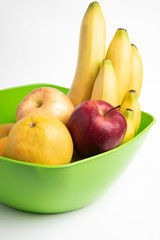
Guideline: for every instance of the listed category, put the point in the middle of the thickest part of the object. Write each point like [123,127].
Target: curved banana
[136,71]
[131,101]
[106,85]
[92,47]
[129,116]
[120,53]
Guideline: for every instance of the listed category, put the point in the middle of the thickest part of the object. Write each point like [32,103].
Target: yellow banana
[129,115]
[120,53]
[92,47]
[131,101]
[106,85]
[136,71]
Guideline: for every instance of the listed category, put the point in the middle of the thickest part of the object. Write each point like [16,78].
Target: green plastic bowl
[53,189]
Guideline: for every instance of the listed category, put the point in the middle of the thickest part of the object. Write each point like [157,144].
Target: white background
[39,43]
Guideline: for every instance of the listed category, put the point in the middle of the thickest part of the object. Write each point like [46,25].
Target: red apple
[46,101]
[96,126]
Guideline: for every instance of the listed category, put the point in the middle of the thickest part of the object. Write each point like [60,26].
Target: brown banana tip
[128,109]
[122,29]
[132,91]
[133,45]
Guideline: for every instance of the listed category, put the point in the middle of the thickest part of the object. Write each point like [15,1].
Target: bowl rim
[33,84]
[81,161]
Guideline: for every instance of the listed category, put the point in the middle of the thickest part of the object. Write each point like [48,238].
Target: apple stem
[119,106]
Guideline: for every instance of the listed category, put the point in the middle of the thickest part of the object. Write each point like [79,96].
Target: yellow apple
[46,101]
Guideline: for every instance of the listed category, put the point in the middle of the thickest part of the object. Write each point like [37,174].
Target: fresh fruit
[106,85]
[92,47]
[120,53]
[46,101]
[129,116]
[131,102]
[3,146]
[136,71]
[5,129]
[96,127]
[40,139]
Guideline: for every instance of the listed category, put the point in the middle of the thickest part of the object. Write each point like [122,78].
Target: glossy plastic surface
[54,189]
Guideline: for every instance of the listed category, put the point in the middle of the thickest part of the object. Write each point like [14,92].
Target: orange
[3,146]
[40,139]
[5,129]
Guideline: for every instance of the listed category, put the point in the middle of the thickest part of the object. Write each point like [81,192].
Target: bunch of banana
[115,76]
[92,48]
[126,82]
